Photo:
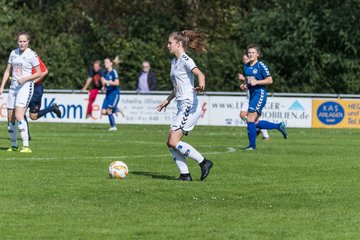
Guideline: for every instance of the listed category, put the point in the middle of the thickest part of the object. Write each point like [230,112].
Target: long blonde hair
[192,39]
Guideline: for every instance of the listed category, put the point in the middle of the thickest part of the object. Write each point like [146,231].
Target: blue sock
[251,127]
[112,120]
[43,112]
[267,125]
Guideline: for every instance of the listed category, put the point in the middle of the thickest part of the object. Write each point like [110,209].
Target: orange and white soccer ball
[118,170]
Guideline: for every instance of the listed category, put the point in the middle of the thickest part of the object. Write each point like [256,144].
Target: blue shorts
[257,101]
[35,102]
[111,101]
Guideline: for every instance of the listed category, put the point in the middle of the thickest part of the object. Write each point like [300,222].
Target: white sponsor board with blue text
[141,109]
[295,112]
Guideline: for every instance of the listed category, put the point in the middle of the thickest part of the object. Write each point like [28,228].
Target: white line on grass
[229,150]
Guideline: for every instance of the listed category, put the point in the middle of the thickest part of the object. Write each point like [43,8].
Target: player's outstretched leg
[13,137]
[265,134]
[251,128]
[205,166]
[189,151]
[282,129]
[181,164]
[56,110]
[53,108]
[112,122]
[269,125]
[22,125]
[27,122]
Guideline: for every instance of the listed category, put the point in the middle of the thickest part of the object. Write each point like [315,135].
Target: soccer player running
[110,81]
[20,63]
[257,75]
[35,103]
[183,70]
[94,78]
[245,104]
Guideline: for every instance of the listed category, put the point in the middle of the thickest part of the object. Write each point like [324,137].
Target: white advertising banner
[141,109]
[295,112]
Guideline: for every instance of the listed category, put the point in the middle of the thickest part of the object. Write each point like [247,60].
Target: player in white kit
[245,104]
[20,64]
[182,74]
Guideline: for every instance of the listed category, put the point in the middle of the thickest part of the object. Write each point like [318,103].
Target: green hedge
[310,46]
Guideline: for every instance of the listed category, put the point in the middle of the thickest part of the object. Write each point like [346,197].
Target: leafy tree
[310,46]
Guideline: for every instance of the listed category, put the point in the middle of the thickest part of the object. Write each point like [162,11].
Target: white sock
[188,151]
[12,134]
[23,129]
[180,161]
[265,133]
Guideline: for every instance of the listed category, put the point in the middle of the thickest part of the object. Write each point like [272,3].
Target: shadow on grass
[153,175]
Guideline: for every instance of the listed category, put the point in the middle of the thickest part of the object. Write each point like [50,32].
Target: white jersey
[22,64]
[182,79]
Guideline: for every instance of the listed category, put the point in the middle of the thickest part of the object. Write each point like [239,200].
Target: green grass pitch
[305,187]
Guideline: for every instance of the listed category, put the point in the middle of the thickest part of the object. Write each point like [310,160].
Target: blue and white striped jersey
[260,71]
[111,76]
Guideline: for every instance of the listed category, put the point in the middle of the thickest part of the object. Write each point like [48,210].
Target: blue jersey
[260,71]
[111,76]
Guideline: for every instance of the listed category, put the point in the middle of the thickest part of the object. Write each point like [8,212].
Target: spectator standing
[94,79]
[146,79]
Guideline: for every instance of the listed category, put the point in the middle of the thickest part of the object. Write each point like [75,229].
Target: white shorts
[245,105]
[20,95]
[186,117]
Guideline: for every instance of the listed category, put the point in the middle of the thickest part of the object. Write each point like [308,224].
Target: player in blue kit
[257,76]
[245,104]
[110,81]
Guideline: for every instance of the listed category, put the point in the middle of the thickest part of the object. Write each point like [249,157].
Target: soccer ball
[118,170]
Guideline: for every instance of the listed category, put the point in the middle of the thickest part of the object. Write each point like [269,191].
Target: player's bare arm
[42,76]
[243,87]
[103,82]
[5,78]
[36,75]
[166,102]
[87,83]
[116,82]
[201,78]
[266,81]
[241,77]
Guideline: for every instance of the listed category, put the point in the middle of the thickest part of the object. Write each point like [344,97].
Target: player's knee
[33,116]
[108,111]
[103,112]
[171,143]
[19,117]
[243,115]
[168,144]
[11,118]
[252,116]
